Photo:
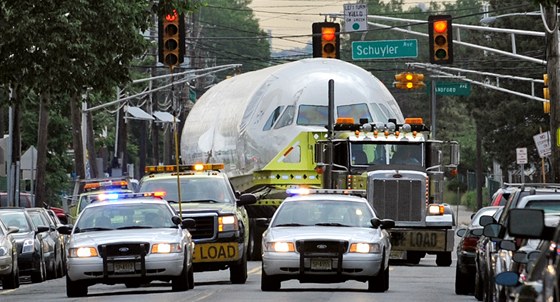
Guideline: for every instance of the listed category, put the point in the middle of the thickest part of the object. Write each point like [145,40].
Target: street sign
[521,156]
[542,141]
[453,88]
[355,17]
[384,49]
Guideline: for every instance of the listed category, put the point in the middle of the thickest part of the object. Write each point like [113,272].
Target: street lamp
[491,19]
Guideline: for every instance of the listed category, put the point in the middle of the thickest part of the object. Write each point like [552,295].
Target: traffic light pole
[433,108]
[554,89]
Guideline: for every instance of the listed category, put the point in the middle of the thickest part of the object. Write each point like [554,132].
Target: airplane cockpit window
[380,113]
[286,118]
[273,118]
[310,115]
[356,111]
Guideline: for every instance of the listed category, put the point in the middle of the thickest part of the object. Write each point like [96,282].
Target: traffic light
[546,94]
[409,80]
[171,39]
[326,40]
[440,33]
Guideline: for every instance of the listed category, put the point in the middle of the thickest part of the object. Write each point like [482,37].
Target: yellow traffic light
[171,39]
[409,80]
[326,40]
[440,33]
[546,94]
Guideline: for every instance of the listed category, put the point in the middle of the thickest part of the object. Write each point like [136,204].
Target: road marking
[254,271]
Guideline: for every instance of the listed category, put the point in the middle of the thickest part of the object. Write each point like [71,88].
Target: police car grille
[204,228]
[123,249]
[321,247]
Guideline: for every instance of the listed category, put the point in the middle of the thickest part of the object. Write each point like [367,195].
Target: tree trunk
[42,150]
[77,144]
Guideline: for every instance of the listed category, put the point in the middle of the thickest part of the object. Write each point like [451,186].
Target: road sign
[453,88]
[355,17]
[542,141]
[521,156]
[385,49]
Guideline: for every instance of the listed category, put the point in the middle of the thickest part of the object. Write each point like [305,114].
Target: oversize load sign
[386,49]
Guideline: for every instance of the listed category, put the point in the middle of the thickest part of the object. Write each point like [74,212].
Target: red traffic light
[440,26]
[329,33]
[440,38]
[171,17]
[326,40]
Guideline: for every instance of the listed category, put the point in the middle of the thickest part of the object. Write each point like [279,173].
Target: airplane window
[356,111]
[312,115]
[273,118]
[286,118]
[380,113]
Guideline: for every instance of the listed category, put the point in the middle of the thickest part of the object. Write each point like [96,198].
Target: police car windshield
[193,189]
[334,213]
[124,216]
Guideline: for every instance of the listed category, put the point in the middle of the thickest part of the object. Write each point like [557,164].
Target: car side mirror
[12,230]
[42,229]
[492,230]
[188,223]
[486,220]
[375,222]
[508,245]
[246,199]
[387,224]
[262,222]
[461,232]
[65,229]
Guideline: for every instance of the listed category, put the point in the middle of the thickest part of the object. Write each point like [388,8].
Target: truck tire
[255,242]
[443,259]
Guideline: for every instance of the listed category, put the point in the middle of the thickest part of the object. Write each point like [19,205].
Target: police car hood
[350,234]
[130,236]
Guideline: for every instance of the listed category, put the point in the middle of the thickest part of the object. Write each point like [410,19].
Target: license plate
[215,252]
[418,240]
[124,267]
[321,264]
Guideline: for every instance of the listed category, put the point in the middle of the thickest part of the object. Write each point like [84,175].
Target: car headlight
[365,248]
[166,248]
[227,223]
[82,252]
[28,246]
[281,247]
[3,251]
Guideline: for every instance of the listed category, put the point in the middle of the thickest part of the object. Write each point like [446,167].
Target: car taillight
[469,243]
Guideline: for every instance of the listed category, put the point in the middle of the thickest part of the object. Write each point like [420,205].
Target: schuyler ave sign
[386,49]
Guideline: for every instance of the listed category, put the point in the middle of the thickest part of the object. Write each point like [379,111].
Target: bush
[469,199]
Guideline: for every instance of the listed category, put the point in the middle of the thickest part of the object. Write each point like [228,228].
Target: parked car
[25,200]
[465,270]
[501,196]
[54,250]
[320,237]
[485,249]
[9,272]
[542,281]
[29,241]
[547,198]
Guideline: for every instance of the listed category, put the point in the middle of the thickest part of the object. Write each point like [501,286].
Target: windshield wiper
[93,229]
[290,224]
[203,200]
[135,227]
[332,224]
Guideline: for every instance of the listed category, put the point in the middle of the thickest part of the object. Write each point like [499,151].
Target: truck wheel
[413,257]
[443,259]
[255,242]
[238,271]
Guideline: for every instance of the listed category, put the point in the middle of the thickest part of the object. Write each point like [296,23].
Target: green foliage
[469,199]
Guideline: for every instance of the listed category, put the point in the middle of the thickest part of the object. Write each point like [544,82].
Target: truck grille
[205,227]
[400,200]
[123,249]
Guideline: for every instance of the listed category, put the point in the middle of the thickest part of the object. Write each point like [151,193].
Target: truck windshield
[387,154]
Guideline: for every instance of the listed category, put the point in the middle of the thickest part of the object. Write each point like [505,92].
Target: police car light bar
[307,191]
[119,196]
[183,168]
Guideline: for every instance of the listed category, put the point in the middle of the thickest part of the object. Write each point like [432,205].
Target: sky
[289,21]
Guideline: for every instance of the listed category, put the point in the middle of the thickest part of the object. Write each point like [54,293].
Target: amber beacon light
[440,35]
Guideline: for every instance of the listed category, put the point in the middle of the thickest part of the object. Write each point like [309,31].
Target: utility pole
[551,18]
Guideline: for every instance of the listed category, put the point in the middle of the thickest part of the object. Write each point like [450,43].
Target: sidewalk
[462,214]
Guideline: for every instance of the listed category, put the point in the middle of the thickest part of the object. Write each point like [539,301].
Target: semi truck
[266,125]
